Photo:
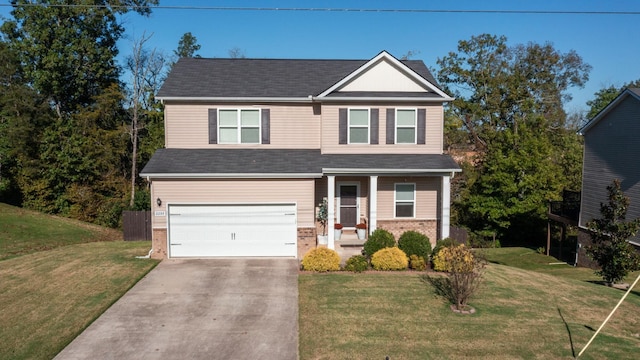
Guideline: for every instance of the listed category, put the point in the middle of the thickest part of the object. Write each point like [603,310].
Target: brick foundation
[159,244]
[397,227]
[306,240]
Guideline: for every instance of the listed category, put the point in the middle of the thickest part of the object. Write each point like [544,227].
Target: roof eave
[229,175]
[377,98]
[607,109]
[388,171]
[306,99]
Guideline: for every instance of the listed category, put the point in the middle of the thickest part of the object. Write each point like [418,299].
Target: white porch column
[373,203]
[446,206]
[331,210]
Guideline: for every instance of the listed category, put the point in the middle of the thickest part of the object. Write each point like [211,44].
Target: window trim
[414,127]
[239,126]
[368,126]
[413,202]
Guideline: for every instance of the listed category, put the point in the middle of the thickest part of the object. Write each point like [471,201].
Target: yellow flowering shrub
[458,259]
[391,258]
[321,259]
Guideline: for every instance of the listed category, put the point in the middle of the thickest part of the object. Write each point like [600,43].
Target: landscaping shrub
[415,243]
[379,239]
[453,258]
[391,258]
[356,263]
[321,259]
[417,263]
[464,274]
[446,242]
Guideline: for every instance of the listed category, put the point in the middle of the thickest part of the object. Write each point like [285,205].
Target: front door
[348,205]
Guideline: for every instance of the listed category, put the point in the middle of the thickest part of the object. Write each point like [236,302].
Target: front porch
[395,202]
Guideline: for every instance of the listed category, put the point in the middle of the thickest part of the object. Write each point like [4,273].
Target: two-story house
[611,151]
[254,145]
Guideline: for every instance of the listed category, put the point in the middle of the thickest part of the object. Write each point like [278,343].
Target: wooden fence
[136,225]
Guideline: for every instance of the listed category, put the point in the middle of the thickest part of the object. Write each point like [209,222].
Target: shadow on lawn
[573,351]
[603,283]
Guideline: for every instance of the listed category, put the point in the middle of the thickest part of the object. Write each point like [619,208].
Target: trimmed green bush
[379,239]
[417,263]
[356,263]
[446,242]
[391,258]
[415,243]
[321,259]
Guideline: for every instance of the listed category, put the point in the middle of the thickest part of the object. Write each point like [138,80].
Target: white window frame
[414,127]
[368,126]
[239,126]
[395,201]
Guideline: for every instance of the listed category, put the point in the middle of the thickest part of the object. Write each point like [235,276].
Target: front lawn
[47,298]
[520,314]
[528,259]
[24,231]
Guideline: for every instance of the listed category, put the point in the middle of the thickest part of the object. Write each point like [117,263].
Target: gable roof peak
[633,92]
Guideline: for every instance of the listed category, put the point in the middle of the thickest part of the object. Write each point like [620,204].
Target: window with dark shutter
[213,126]
[422,126]
[391,125]
[374,123]
[342,125]
[266,129]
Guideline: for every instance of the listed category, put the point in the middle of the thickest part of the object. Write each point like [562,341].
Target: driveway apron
[200,309]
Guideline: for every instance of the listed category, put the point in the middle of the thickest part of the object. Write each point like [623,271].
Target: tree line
[74,135]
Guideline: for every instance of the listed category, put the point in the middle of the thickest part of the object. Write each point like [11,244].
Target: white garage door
[232,230]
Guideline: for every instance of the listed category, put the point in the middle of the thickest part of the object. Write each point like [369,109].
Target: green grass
[50,297]
[520,314]
[56,277]
[24,232]
[528,259]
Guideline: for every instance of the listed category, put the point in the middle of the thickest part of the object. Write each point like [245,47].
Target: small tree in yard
[609,234]
[464,274]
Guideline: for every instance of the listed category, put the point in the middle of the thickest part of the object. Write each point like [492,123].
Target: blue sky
[606,42]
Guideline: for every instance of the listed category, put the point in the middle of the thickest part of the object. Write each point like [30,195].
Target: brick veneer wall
[306,240]
[159,244]
[397,227]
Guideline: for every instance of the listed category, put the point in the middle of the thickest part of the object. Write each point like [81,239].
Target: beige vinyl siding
[426,196]
[434,132]
[291,126]
[383,76]
[214,192]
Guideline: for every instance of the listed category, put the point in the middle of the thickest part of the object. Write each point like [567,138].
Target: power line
[351,10]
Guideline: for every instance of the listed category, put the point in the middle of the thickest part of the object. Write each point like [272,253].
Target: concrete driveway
[200,309]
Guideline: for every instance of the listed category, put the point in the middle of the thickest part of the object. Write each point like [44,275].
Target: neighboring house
[254,145]
[611,151]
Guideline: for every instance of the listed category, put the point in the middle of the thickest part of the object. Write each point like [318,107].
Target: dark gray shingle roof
[284,161]
[200,77]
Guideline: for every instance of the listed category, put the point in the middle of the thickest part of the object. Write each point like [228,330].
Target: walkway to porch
[348,245]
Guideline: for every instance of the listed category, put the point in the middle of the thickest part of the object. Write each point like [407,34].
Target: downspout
[146,256]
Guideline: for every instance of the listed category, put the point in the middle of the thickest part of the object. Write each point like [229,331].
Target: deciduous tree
[509,104]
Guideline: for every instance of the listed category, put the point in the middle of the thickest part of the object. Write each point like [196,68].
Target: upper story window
[406,120]
[358,126]
[405,200]
[239,126]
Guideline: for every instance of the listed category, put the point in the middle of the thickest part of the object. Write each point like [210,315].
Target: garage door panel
[232,230]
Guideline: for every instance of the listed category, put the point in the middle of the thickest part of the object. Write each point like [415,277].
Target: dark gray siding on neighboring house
[612,151]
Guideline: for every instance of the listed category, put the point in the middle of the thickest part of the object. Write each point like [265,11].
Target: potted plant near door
[322,219]
[361,230]
[337,230]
